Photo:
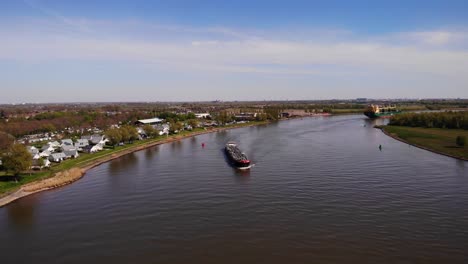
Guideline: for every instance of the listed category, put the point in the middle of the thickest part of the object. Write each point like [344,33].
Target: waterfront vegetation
[450,120]
[73,119]
[443,132]
[437,139]
[10,183]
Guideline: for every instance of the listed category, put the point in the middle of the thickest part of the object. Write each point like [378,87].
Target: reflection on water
[462,168]
[21,215]
[242,176]
[123,162]
[151,152]
[319,191]
[193,140]
[176,144]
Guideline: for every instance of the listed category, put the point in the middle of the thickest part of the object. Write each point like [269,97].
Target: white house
[92,149]
[202,115]
[163,130]
[57,157]
[45,154]
[141,133]
[72,153]
[98,140]
[54,144]
[99,146]
[67,142]
[81,143]
[36,164]
[95,139]
[47,147]
[33,150]
[68,148]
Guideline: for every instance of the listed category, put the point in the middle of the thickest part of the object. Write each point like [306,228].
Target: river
[320,191]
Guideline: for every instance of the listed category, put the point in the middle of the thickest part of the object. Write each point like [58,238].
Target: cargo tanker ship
[375,111]
[237,157]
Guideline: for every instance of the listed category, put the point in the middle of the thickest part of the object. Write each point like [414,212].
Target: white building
[202,115]
[57,157]
[151,121]
[38,165]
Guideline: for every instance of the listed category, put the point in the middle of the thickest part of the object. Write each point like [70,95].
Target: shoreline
[419,146]
[73,174]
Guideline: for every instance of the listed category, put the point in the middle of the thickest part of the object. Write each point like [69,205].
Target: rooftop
[150,121]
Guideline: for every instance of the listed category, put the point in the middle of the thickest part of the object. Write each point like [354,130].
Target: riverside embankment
[437,140]
[76,170]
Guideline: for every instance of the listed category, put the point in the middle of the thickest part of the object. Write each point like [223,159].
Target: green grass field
[437,139]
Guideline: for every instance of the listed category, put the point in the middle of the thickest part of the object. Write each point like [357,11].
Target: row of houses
[35,138]
[55,151]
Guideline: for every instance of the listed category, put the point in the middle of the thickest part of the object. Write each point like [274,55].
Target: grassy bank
[434,139]
[8,185]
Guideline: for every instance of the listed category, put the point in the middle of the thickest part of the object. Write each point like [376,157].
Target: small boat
[236,156]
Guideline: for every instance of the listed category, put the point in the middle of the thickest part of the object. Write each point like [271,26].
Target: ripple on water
[320,191]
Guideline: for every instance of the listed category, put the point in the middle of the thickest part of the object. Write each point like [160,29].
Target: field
[435,139]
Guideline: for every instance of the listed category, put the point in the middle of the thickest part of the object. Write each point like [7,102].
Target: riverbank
[72,170]
[437,140]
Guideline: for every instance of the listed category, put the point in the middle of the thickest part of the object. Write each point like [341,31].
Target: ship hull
[377,115]
[236,157]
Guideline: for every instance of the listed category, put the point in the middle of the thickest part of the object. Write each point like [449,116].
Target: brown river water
[320,191]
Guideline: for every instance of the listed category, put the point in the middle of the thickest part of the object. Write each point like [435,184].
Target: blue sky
[72,51]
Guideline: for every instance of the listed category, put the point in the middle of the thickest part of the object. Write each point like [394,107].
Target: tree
[41,162]
[17,159]
[114,136]
[124,133]
[175,127]
[450,120]
[461,141]
[150,130]
[261,117]
[47,127]
[222,117]
[193,123]
[273,113]
[131,132]
[191,116]
[5,141]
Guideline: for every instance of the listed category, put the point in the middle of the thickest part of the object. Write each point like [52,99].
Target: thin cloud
[227,50]
[75,24]
[440,37]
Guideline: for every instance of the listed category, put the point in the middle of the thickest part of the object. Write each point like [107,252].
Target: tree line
[122,134]
[58,121]
[452,120]
[16,158]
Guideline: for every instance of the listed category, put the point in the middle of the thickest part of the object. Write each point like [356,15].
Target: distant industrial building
[151,121]
[202,115]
